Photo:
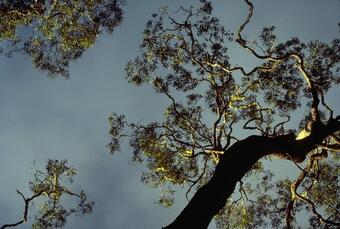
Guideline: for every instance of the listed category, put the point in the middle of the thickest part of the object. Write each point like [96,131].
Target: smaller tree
[55,32]
[49,188]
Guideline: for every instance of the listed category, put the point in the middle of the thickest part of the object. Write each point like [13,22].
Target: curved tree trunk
[236,162]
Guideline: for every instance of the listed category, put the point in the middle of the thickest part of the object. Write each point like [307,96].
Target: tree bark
[236,162]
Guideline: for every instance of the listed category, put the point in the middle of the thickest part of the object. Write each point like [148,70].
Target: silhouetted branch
[25,214]
[197,180]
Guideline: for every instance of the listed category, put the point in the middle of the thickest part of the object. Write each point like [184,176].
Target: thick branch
[236,162]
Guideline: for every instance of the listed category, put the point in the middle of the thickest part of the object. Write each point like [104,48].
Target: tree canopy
[185,58]
[224,120]
[55,32]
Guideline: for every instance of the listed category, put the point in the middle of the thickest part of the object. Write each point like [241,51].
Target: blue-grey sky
[42,118]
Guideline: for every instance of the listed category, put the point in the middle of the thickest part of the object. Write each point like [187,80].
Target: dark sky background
[42,118]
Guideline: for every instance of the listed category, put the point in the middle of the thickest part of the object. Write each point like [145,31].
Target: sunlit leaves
[51,184]
[184,56]
[53,198]
[322,188]
[55,33]
[167,198]
[162,157]
[257,204]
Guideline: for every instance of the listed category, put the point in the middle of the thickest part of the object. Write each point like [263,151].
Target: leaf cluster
[54,33]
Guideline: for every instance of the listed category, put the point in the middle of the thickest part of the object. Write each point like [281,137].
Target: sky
[43,118]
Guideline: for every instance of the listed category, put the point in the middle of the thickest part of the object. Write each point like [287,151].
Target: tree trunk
[235,163]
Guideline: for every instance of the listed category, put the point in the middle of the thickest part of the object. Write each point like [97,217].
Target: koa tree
[55,32]
[198,145]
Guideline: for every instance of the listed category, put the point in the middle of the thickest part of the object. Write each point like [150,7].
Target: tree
[185,58]
[49,186]
[54,33]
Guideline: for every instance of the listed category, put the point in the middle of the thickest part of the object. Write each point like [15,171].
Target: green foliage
[259,204]
[51,186]
[186,59]
[52,196]
[54,33]
[117,124]
[322,188]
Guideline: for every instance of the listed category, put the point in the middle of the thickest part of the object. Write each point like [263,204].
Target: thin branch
[245,126]
[327,221]
[25,215]
[324,103]
[333,147]
[281,124]
[186,118]
[289,210]
[198,179]
[297,165]
[295,195]
[301,66]
[242,191]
